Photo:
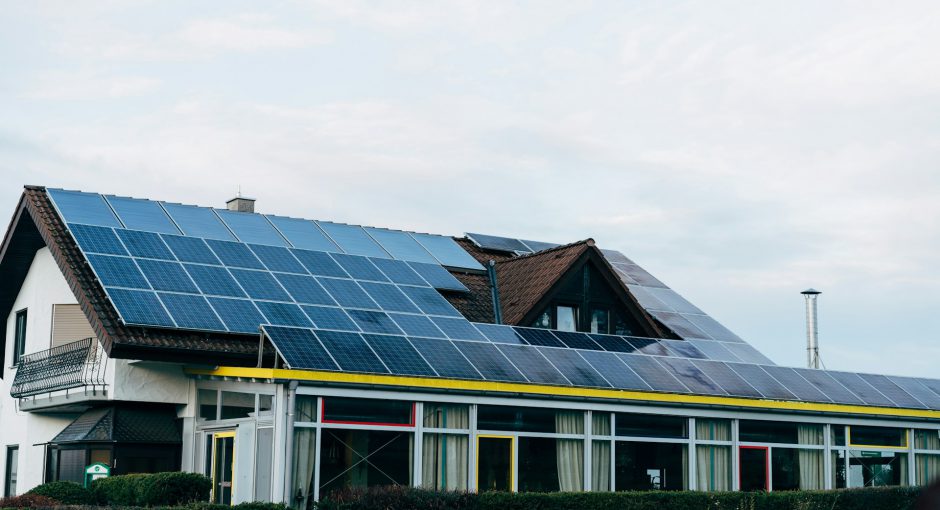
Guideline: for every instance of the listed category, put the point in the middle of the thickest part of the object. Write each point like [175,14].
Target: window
[566,318]
[644,425]
[544,320]
[797,469]
[600,321]
[780,432]
[12,467]
[19,336]
[445,461]
[364,458]
[237,405]
[69,325]
[877,436]
[713,462]
[550,465]
[208,404]
[650,466]
[446,416]
[361,411]
[529,419]
[877,469]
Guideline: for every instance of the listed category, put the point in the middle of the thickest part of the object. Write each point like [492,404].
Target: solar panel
[647,300]
[748,354]
[674,300]
[276,258]
[399,355]
[532,364]
[141,308]
[94,239]
[140,214]
[304,289]
[762,381]
[190,249]
[918,391]
[577,340]
[640,275]
[191,312]
[612,343]
[447,251]
[624,277]
[683,348]
[446,359]
[117,271]
[251,228]
[679,325]
[795,383]
[239,315]
[198,221]
[438,277]
[714,350]
[536,246]
[259,284]
[80,207]
[303,234]
[144,244]
[352,239]
[713,328]
[374,322]
[573,367]
[829,386]
[726,378]
[861,388]
[400,245]
[614,370]
[691,376]
[300,348]
[164,275]
[649,346]
[458,329]
[429,301]
[347,293]
[319,263]
[417,325]
[360,268]
[498,243]
[615,256]
[399,272]
[283,314]
[489,361]
[389,297]
[351,352]
[536,336]
[325,317]
[235,254]
[499,333]
[214,280]
[894,392]
[653,374]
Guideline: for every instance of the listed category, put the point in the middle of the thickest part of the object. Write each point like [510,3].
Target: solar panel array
[487,352]
[668,307]
[77,207]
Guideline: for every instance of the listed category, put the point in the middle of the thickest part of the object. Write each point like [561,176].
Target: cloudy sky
[740,151]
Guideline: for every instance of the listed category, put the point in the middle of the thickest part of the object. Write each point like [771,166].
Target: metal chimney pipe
[812,328]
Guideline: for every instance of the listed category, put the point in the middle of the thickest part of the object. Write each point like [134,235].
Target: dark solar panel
[93,239]
[573,367]
[277,258]
[679,325]
[762,381]
[639,275]
[417,325]
[447,251]
[145,244]
[430,301]
[615,256]
[347,293]
[748,354]
[304,289]
[489,361]
[795,383]
[80,207]
[684,349]
[235,254]
[613,343]
[259,284]
[190,249]
[674,300]
[714,350]
[532,364]
[861,388]
[647,300]
[458,329]
[319,263]
[499,333]
[399,272]
[400,245]
[438,277]
[614,370]
[191,312]
[713,328]
[829,386]
[374,322]
[351,352]
[649,346]
[399,355]
[726,378]
[445,358]
[536,246]
[117,271]
[389,297]
[325,317]
[140,308]
[303,234]
[498,243]
[577,340]
[283,314]
[251,228]
[653,374]
[691,376]
[140,214]
[892,391]
[239,315]
[536,336]
[169,276]
[198,221]
[360,268]
[918,391]
[214,280]
[352,239]
[300,348]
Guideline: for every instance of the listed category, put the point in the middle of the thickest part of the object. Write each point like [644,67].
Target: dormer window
[566,318]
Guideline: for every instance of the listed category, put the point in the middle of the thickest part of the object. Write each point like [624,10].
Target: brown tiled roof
[477,305]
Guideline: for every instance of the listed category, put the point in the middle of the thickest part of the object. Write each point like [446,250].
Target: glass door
[222,466]
[494,463]
[754,471]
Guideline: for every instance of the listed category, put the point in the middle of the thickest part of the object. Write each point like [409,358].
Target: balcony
[58,372]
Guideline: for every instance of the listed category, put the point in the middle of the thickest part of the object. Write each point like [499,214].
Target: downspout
[289,443]
[494,291]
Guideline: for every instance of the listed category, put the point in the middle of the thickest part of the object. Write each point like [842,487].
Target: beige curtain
[713,462]
[928,468]
[685,469]
[927,440]
[304,458]
[445,461]
[812,462]
[600,466]
[903,470]
[569,455]
[601,424]
[444,416]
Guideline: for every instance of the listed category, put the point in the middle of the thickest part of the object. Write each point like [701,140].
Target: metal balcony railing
[80,364]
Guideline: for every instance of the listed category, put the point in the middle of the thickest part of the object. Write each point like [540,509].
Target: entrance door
[754,468]
[494,463]
[223,463]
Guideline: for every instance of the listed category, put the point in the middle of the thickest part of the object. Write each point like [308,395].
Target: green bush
[123,490]
[28,501]
[67,493]
[157,489]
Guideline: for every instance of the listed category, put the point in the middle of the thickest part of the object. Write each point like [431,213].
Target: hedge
[158,489]
[67,493]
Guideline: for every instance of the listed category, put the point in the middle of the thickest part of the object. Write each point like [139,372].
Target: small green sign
[871,454]
[96,471]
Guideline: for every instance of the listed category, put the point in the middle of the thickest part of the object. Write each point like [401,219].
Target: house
[285,358]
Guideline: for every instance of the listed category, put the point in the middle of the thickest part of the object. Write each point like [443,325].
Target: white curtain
[812,466]
[601,424]
[304,459]
[713,462]
[445,416]
[570,452]
[901,463]
[600,466]
[445,461]
[928,468]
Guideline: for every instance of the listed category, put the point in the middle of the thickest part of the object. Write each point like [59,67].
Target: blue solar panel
[500,334]
[536,246]
[762,381]
[613,343]
[214,280]
[573,367]
[829,386]
[300,348]
[726,378]
[417,325]
[234,254]
[430,301]
[239,315]
[351,352]
[714,350]
[303,234]
[497,243]
[359,267]
[399,272]
[140,214]
[399,355]
[276,258]
[191,312]
[445,358]
[653,373]
[458,329]
[352,239]
[304,289]
[80,207]
[251,228]
[747,353]
[648,346]
[400,245]
[190,249]
[447,251]
[674,300]
[536,336]
[892,391]
[532,364]
[93,239]
[117,271]
[577,340]
[679,325]
[141,308]
[283,314]
[861,388]
[259,285]
[164,275]
[691,376]
[796,384]
[713,328]
[319,263]
[389,297]
[489,361]
[683,349]
[918,391]
[438,277]
[198,221]
[615,371]
[325,317]
[348,293]
[145,244]
[374,322]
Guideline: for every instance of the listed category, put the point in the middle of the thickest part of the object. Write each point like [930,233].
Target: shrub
[28,501]
[173,489]
[120,490]
[260,505]
[67,493]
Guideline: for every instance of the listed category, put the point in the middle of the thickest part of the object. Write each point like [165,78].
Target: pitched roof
[477,305]
[123,425]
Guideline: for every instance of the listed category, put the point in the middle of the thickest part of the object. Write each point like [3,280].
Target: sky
[739,151]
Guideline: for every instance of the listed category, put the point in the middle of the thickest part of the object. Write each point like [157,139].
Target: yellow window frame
[512,459]
[848,441]
[215,437]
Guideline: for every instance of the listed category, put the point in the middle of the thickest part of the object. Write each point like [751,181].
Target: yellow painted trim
[848,441]
[512,454]
[215,438]
[557,391]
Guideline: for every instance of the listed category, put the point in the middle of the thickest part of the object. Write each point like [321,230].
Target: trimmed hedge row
[67,493]
[158,489]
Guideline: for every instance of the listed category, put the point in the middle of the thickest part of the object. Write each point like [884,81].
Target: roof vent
[241,204]
[812,328]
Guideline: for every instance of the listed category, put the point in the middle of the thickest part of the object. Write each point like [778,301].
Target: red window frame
[766,464]
[411,422]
